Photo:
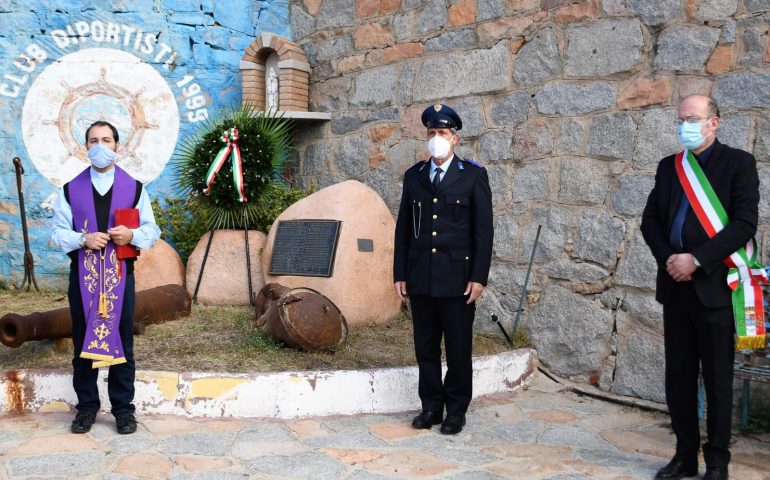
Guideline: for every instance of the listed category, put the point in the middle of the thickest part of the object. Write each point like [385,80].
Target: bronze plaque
[305,248]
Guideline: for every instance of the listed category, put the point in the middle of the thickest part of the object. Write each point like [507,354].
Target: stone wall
[167,65]
[570,104]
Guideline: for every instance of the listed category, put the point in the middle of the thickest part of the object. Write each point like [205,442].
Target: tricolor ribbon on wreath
[230,137]
[745,273]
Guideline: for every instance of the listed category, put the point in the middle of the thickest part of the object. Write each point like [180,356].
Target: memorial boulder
[158,266]
[359,277]
[225,278]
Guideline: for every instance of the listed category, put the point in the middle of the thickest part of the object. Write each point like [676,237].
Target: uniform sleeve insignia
[474,162]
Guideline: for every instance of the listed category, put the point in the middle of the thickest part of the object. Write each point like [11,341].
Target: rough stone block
[431,17]
[330,95]
[314,160]
[452,40]
[472,114]
[599,236]
[643,92]
[655,12]
[684,48]
[500,183]
[158,266]
[235,15]
[402,156]
[742,90]
[530,182]
[574,99]
[753,47]
[757,5]
[490,69]
[603,48]
[577,12]
[352,158]
[345,122]
[572,136]
[637,267]
[401,51]
[334,47]
[381,180]
[532,140]
[511,109]
[489,9]
[645,310]
[403,26]
[538,60]
[612,135]
[372,35]
[762,143]
[583,181]
[555,224]
[302,24]
[722,60]
[689,85]
[504,243]
[336,14]
[710,10]
[734,130]
[656,137]
[764,199]
[631,196]
[575,272]
[495,146]
[570,333]
[640,367]
[462,13]
[375,87]
[507,27]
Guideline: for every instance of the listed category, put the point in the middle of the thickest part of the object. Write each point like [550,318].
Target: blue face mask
[690,136]
[101,156]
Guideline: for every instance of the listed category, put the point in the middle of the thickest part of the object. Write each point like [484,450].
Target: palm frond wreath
[264,140]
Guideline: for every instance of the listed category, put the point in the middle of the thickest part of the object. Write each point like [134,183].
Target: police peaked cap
[441,116]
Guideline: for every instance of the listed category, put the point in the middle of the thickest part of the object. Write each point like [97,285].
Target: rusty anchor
[300,317]
[29,262]
[155,305]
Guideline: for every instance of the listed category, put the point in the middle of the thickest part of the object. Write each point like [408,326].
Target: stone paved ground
[545,432]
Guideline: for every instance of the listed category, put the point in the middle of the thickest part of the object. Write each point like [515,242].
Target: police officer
[441,261]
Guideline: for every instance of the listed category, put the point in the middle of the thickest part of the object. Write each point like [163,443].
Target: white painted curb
[281,395]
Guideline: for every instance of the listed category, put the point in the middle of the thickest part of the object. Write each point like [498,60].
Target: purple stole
[101,284]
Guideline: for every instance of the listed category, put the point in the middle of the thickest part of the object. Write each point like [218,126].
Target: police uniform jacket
[444,236]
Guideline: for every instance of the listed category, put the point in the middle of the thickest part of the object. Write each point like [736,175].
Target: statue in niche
[272,89]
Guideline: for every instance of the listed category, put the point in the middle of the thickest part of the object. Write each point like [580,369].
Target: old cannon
[300,317]
[155,305]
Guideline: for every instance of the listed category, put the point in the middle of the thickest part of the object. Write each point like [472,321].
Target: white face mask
[439,147]
[101,156]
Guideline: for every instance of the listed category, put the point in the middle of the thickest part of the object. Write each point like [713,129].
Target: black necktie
[437,177]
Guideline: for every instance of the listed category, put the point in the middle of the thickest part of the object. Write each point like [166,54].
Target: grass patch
[223,339]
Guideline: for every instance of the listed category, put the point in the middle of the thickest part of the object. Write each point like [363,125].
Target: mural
[153,69]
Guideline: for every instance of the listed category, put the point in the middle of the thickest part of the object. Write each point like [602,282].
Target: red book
[128,217]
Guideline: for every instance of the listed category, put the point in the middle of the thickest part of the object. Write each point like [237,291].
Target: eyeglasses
[692,120]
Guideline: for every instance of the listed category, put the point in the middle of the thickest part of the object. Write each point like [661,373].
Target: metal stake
[29,261]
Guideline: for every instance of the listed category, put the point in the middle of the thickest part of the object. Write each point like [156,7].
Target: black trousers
[452,319]
[120,381]
[699,338]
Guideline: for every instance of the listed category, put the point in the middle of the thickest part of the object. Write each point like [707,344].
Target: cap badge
[437,107]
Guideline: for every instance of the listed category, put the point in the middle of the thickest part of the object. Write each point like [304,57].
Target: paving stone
[244,451]
[489,67]
[66,464]
[410,464]
[210,476]
[475,475]
[612,135]
[198,463]
[341,424]
[638,267]
[309,465]
[574,99]
[655,12]
[684,48]
[144,465]
[520,432]
[657,442]
[603,48]
[607,456]
[631,195]
[553,416]
[570,434]
[394,431]
[167,425]
[538,60]
[266,432]
[511,109]
[137,442]
[345,440]
[366,475]
[307,428]
[58,443]
[197,444]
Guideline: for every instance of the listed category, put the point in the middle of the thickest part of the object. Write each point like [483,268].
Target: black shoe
[126,423]
[427,419]
[83,422]
[676,469]
[716,473]
[453,424]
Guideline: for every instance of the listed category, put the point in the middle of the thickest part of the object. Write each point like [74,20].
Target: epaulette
[420,163]
[473,162]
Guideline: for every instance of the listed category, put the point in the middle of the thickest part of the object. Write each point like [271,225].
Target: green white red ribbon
[745,273]
[230,137]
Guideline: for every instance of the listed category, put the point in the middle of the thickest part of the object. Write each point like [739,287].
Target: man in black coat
[692,285]
[441,262]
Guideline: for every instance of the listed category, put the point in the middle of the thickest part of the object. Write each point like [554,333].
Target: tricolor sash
[101,285]
[745,272]
[230,138]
